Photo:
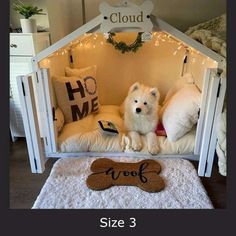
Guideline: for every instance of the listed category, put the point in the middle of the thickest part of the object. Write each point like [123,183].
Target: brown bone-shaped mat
[143,174]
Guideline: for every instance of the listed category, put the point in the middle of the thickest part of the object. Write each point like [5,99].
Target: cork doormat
[143,174]
[66,188]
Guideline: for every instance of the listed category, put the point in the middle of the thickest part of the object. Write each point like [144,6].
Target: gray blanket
[213,35]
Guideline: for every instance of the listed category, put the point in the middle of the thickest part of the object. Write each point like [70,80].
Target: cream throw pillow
[180,112]
[77,96]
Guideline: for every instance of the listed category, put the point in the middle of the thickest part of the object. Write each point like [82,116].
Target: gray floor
[25,186]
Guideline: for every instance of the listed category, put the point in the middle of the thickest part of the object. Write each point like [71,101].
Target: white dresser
[22,48]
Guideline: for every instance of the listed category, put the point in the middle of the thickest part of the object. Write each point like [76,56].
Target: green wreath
[122,46]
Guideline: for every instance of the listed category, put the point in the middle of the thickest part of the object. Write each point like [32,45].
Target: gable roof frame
[158,25]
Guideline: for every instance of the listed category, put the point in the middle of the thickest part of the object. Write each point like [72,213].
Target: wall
[64,16]
[158,62]
[179,13]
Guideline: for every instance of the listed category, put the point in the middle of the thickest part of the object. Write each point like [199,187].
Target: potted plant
[28,24]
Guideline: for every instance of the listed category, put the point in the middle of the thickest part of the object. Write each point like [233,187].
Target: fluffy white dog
[141,116]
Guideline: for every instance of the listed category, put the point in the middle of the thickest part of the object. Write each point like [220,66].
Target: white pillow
[77,72]
[180,83]
[60,120]
[180,112]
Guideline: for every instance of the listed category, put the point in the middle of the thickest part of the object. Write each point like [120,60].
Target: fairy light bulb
[156,43]
[106,35]
[175,52]
[179,47]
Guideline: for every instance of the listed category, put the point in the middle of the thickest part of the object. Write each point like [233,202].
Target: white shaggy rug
[66,188]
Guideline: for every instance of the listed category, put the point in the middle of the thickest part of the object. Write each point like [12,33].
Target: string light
[86,41]
[175,52]
[156,43]
[106,35]
[180,47]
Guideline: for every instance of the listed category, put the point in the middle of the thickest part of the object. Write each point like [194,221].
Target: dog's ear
[134,87]
[154,91]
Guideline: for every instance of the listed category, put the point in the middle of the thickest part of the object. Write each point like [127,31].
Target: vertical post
[44,111]
[219,107]
[202,117]
[208,124]
[50,104]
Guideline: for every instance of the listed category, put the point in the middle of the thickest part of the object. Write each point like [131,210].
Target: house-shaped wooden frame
[38,106]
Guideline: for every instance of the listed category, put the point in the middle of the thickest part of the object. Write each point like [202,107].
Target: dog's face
[142,100]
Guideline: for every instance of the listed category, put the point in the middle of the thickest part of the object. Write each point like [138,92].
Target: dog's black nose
[138,110]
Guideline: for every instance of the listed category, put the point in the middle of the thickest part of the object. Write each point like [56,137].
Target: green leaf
[27,10]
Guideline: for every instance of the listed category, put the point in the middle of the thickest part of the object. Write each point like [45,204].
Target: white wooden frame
[205,140]
[202,112]
[31,126]
[208,124]
[213,141]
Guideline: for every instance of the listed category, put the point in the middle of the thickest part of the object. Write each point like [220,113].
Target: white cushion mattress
[85,135]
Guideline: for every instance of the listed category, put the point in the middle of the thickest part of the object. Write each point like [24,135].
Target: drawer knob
[13,45]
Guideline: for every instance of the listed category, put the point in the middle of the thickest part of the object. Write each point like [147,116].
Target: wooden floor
[25,186]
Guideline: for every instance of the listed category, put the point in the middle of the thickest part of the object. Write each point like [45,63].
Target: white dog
[141,116]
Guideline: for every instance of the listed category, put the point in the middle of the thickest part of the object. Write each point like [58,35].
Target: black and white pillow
[77,95]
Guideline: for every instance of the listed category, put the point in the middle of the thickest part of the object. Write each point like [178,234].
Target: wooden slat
[52,130]
[202,117]
[213,88]
[29,113]
[212,146]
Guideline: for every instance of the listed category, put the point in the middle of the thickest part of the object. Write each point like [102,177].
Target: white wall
[64,16]
[179,13]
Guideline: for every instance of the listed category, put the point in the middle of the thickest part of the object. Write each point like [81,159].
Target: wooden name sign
[128,15]
[143,174]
